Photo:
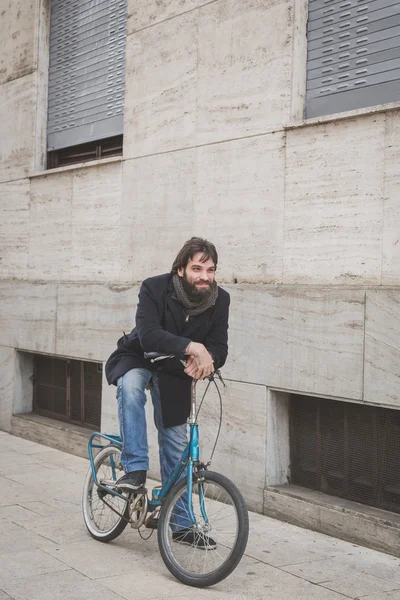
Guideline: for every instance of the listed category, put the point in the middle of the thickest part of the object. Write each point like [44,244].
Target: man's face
[198,277]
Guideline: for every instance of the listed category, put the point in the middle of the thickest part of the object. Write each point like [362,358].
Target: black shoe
[132,481]
[194,538]
[152,523]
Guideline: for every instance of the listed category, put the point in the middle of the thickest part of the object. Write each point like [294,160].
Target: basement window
[68,390]
[346,450]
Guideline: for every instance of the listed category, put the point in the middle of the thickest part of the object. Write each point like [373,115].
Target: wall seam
[364,344]
[56,319]
[284,207]
[194,146]
[383,192]
[186,12]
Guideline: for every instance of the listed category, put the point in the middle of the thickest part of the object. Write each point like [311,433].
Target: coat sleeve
[152,337]
[216,341]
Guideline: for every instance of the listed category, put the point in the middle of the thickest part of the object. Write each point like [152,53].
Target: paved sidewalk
[46,553]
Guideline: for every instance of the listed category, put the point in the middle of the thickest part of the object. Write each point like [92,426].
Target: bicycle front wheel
[203,552]
[105,514]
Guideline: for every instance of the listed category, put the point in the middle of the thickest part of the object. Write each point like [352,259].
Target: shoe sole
[131,488]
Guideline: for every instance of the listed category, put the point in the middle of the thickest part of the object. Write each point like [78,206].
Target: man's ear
[180,271]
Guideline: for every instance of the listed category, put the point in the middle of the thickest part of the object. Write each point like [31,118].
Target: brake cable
[211,379]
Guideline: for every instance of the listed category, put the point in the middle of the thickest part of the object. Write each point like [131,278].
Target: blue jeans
[172,441]
[131,398]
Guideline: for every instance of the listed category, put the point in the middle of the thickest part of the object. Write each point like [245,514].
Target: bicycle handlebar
[158,356]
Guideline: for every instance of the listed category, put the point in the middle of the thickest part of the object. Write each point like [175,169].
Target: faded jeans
[172,441]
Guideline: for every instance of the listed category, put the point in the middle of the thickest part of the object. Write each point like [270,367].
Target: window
[353,56]
[86,79]
[68,390]
[347,450]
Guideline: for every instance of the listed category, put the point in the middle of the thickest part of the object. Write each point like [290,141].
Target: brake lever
[218,373]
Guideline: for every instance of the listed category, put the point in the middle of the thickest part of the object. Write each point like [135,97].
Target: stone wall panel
[95,223]
[391,215]
[91,318]
[305,340]
[382,347]
[14,228]
[244,69]
[17,126]
[157,212]
[28,315]
[144,13]
[7,382]
[334,203]
[50,235]
[240,206]
[160,87]
[17,48]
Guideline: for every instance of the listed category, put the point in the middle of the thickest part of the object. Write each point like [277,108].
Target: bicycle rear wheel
[204,553]
[105,515]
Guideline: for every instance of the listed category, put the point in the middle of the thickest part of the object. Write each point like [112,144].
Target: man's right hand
[200,363]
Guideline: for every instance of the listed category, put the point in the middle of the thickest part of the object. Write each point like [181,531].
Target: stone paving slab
[47,553]
[360,584]
[59,531]
[65,585]
[97,560]
[15,538]
[42,509]
[383,596]
[21,565]
[347,566]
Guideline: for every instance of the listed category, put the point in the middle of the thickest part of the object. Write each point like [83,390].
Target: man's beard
[196,294]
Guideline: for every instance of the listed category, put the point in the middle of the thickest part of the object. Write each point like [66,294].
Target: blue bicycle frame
[189,457]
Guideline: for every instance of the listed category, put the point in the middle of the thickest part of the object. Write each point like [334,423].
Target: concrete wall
[305,216]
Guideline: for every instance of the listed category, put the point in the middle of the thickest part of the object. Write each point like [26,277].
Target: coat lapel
[177,313]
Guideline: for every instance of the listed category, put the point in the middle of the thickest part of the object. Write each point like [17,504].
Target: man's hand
[200,363]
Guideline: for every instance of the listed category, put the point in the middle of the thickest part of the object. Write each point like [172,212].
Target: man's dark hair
[192,247]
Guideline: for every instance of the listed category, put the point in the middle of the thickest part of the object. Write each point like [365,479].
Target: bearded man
[184,313]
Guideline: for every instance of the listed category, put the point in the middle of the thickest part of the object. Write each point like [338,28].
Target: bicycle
[200,501]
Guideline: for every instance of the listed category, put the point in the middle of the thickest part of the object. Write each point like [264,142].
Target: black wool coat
[163,326]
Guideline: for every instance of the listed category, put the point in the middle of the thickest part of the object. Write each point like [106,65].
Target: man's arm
[217,340]
[152,337]
[211,355]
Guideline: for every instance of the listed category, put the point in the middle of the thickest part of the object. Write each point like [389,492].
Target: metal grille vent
[51,385]
[353,55]
[86,72]
[69,390]
[346,450]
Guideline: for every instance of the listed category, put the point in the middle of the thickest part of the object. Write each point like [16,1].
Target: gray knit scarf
[194,308]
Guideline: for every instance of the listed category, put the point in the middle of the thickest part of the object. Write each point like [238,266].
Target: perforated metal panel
[87,71]
[353,55]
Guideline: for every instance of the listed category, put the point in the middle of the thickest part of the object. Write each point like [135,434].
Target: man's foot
[152,523]
[194,538]
[132,481]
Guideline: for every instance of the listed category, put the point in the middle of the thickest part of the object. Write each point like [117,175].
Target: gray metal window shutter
[353,58]
[86,71]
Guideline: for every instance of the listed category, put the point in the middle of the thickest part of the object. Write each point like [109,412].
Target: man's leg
[172,441]
[131,398]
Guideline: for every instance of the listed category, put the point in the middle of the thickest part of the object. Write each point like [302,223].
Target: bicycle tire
[178,562]
[93,506]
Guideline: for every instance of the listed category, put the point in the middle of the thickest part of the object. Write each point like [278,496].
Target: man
[183,313]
